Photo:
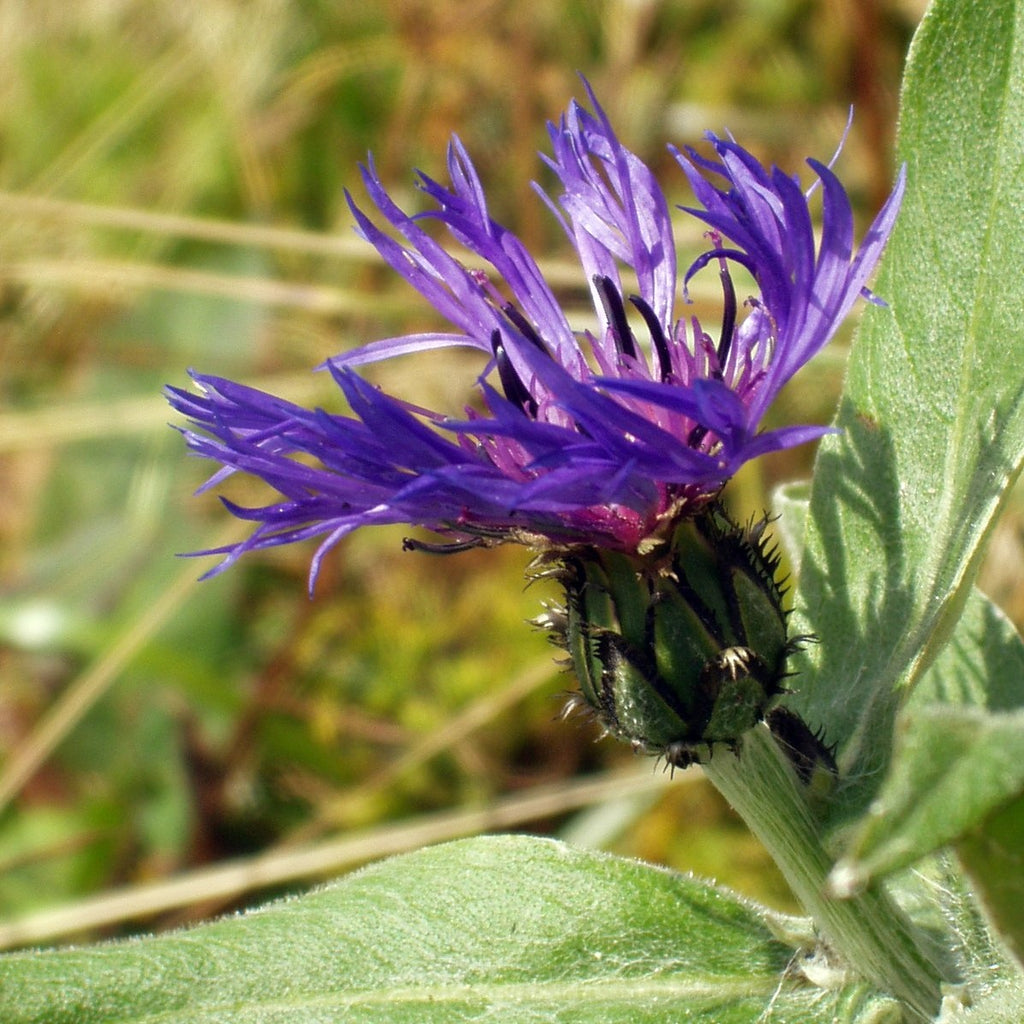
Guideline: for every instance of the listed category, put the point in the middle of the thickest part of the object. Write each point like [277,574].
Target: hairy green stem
[868,931]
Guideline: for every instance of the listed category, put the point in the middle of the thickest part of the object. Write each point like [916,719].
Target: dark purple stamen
[515,390]
[524,326]
[696,436]
[452,548]
[728,318]
[615,311]
[658,339]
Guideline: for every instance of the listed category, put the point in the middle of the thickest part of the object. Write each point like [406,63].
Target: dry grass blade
[20,207]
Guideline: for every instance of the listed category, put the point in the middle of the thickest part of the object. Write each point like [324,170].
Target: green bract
[681,647]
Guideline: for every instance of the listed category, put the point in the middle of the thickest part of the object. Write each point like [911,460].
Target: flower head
[605,437]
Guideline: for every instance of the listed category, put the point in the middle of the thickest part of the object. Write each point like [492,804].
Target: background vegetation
[172,181]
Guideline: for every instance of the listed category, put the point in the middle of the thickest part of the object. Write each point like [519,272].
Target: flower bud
[682,646]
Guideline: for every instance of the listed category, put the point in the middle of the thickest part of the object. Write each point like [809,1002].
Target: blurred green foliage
[144,147]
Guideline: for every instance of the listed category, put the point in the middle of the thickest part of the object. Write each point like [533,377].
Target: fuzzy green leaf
[510,929]
[954,767]
[993,855]
[959,751]
[1001,1004]
[932,416]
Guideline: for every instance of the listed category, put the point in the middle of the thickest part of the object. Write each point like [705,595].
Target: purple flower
[603,438]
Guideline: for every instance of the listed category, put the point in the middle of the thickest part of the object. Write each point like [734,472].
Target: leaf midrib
[630,991]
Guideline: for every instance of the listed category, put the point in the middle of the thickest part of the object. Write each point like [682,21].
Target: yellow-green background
[171,195]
